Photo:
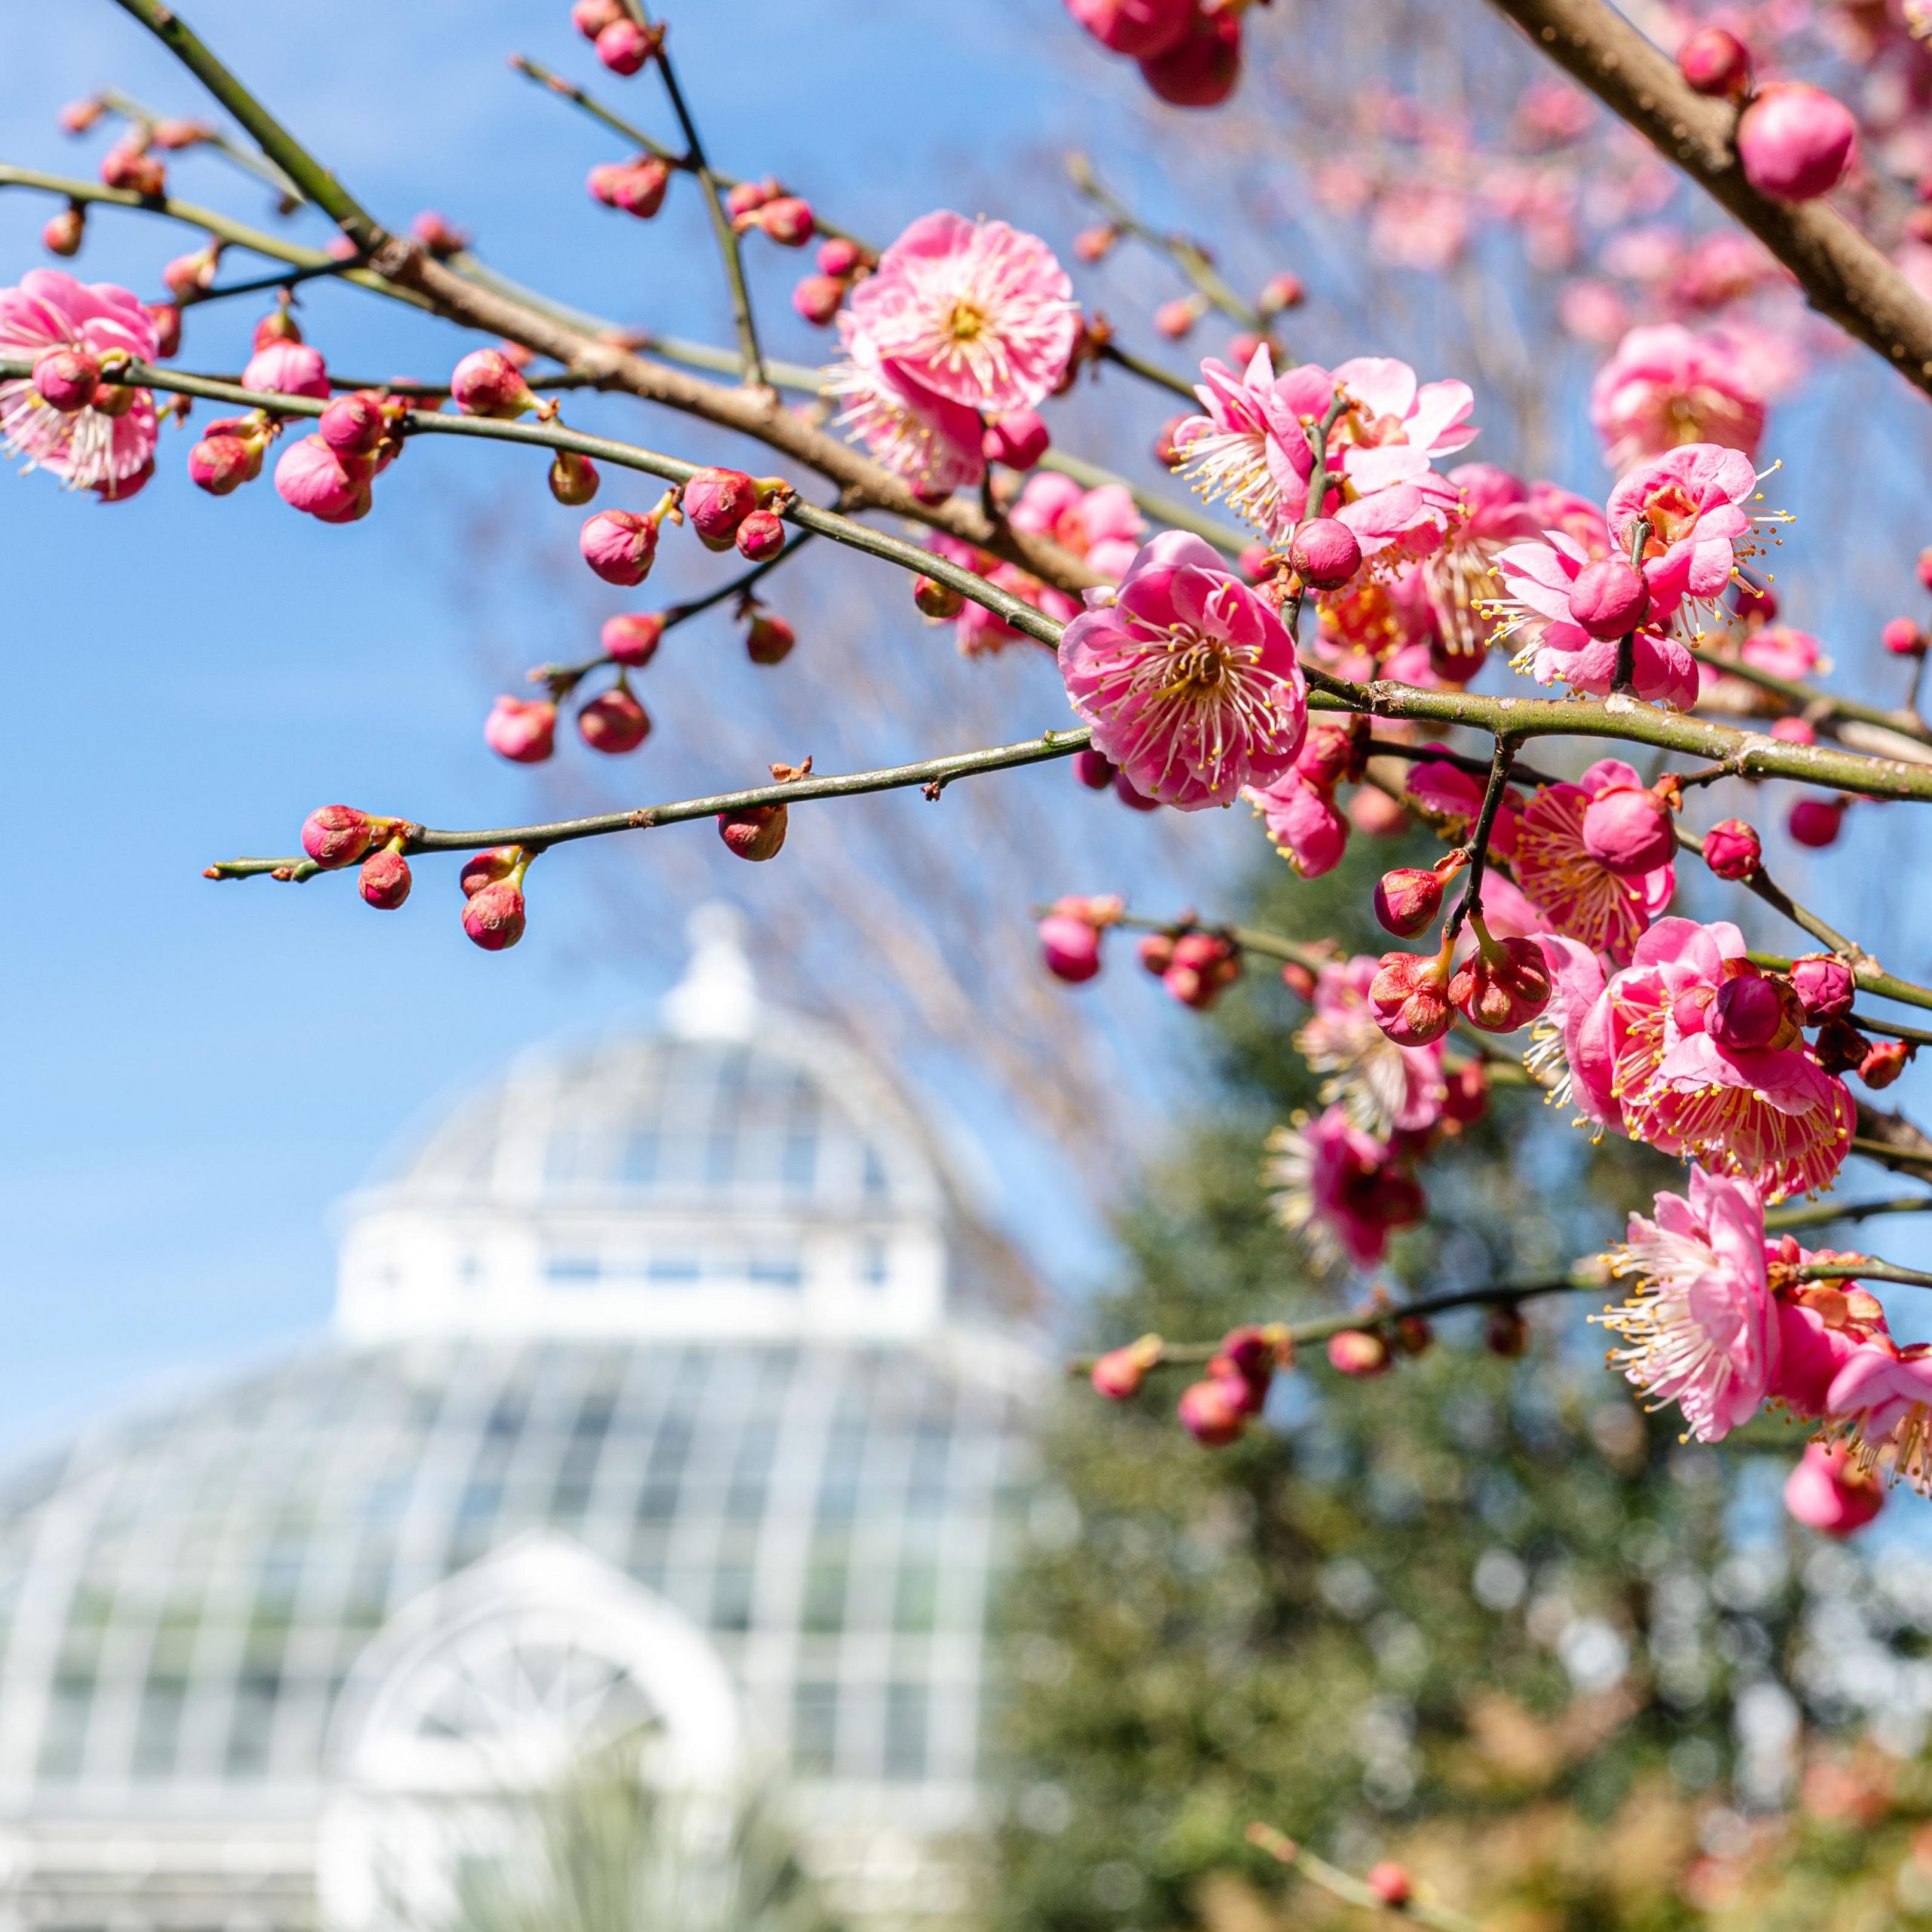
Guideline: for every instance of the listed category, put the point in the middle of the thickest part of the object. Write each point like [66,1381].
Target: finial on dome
[717,999]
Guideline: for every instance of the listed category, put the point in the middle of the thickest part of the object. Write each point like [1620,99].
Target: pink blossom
[1302,823]
[935,444]
[1881,1401]
[1826,1492]
[1339,1188]
[1451,799]
[976,312]
[1702,1330]
[287,368]
[1692,498]
[1784,651]
[89,448]
[1187,677]
[1577,894]
[1667,385]
[1419,225]
[1494,511]
[311,477]
[1382,1088]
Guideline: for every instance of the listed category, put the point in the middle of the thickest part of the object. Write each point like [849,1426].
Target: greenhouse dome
[677,1393]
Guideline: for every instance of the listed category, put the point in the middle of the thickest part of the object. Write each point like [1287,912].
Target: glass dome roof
[184,1595]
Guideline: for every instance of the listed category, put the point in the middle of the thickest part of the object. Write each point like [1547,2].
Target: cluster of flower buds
[1196,968]
[633,187]
[757,831]
[729,509]
[1189,51]
[840,263]
[131,166]
[1794,141]
[1502,985]
[1217,1410]
[330,474]
[493,903]
[786,219]
[621,43]
[1070,936]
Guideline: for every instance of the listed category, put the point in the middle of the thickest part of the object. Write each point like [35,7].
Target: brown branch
[1844,275]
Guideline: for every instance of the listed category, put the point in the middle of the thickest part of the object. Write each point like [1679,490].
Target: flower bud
[1070,947]
[590,17]
[624,47]
[632,638]
[1093,769]
[1169,457]
[1628,832]
[1175,318]
[754,832]
[1506,1333]
[1839,1046]
[1214,1412]
[1795,731]
[221,463]
[486,867]
[1410,1005]
[614,722]
[633,187]
[1390,1882]
[1203,965]
[63,235]
[717,501]
[1795,142]
[1826,1491]
[786,219]
[1925,568]
[572,478]
[1747,1014]
[66,379]
[1119,1374]
[1299,980]
[761,537]
[310,477]
[1715,62]
[1732,849]
[1903,638]
[522,730]
[1466,1100]
[338,836]
[748,196]
[133,170]
[77,116]
[1884,1062]
[619,546]
[1415,1334]
[487,383]
[1754,603]
[1204,68]
[1502,985]
[839,256]
[938,601]
[1139,28]
[1280,291]
[770,639]
[1325,553]
[1018,439]
[1825,984]
[384,882]
[816,298]
[1609,598]
[1817,821]
[492,916]
[1155,951]
[1359,1351]
[353,425]
[1407,899]
[1256,562]
[1130,795]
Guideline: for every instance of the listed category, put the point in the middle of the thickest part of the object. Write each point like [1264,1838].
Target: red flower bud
[1325,553]
[1359,1351]
[1409,999]
[1716,63]
[1407,899]
[487,383]
[786,219]
[614,722]
[1883,1063]
[816,298]
[1390,1882]
[839,256]
[1155,951]
[221,463]
[590,17]
[624,47]
[486,867]
[1903,637]
[718,500]
[761,537]
[77,116]
[493,916]
[1175,318]
[1825,986]
[1215,1412]
[1817,821]
[1299,980]
[1203,966]
[1609,598]
[1280,291]
[632,638]
[338,836]
[938,602]
[749,195]
[1119,1374]
[134,170]
[1096,244]
[279,325]
[522,730]
[1754,603]
[770,639]
[1018,439]
[1414,1333]
[1732,849]
[633,187]
[353,425]
[754,832]
[1747,1014]
[1093,769]
[385,880]
[1839,1046]
[63,235]
[1795,142]
[1506,1333]
[1628,832]
[1502,985]
[1131,795]
[619,546]
[67,379]
[1925,568]
[1070,947]
[1204,68]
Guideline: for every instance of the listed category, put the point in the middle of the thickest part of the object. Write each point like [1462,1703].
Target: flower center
[1672,512]
[1197,670]
[966,321]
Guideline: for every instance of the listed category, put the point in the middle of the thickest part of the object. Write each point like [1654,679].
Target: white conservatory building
[676,1393]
